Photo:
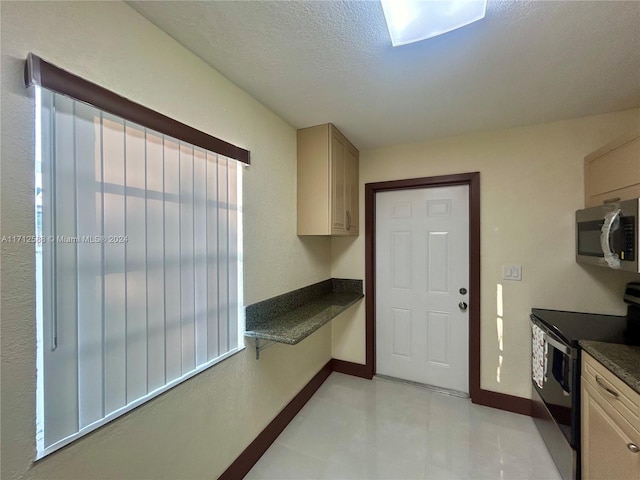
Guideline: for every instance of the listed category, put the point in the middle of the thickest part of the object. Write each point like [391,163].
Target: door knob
[633,447]
[463,306]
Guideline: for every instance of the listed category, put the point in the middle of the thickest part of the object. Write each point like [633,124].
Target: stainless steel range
[556,380]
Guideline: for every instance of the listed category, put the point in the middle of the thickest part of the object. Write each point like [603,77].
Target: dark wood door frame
[371,189]
[478,395]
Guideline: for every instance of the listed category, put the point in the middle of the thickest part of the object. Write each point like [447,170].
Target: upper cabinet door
[328,182]
[612,173]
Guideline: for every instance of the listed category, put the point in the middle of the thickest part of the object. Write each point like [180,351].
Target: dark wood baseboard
[350,368]
[248,458]
[486,398]
[502,401]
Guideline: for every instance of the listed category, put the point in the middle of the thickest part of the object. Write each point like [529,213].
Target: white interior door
[422,265]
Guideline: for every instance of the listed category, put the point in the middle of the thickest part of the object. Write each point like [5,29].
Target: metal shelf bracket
[262,347]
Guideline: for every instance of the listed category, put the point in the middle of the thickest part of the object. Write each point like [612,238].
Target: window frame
[42,74]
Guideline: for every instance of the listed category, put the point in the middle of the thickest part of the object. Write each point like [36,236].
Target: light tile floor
[382,429]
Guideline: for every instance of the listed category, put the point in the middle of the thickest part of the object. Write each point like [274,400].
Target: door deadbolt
[463,306]
[463,291]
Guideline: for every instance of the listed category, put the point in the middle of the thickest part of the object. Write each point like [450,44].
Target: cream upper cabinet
[610,415]
[612,173]
[328,201]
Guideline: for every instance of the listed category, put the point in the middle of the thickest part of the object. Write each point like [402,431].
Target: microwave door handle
[610,257]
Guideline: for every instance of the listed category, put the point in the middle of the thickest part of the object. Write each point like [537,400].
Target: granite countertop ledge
[293,316]
[622,360]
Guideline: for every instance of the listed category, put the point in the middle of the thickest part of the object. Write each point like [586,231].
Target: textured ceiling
[332,61]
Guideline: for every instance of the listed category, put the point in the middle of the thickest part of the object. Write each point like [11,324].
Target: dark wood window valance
[42,73]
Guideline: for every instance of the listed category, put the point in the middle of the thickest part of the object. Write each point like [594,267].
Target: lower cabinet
[610,442]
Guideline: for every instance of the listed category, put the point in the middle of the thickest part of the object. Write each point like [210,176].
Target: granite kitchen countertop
[292,317]
[622,360]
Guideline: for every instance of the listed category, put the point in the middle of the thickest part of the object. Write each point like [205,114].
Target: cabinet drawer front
[618,394]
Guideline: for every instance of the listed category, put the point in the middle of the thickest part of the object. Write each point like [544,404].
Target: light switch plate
[506,272]
[512,272]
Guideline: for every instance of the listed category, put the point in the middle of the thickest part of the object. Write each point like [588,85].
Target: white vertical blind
[139,270]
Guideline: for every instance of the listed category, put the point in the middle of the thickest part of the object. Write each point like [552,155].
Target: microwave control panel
[628,239]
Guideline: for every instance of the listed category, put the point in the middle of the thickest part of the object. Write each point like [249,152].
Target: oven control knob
[633,447]
[463,306]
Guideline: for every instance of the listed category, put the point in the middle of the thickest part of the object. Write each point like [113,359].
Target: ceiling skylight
[414,20]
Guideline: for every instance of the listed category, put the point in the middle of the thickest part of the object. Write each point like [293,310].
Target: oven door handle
[556,344]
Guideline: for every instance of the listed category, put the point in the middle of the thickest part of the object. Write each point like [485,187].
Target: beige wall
[198,428]
[531,184]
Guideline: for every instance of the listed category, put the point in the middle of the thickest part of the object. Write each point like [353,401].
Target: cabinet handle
[612,200]
[633,447]
[348,220]
[610,391]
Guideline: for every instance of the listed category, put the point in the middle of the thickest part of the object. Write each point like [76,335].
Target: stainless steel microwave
[607,235]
